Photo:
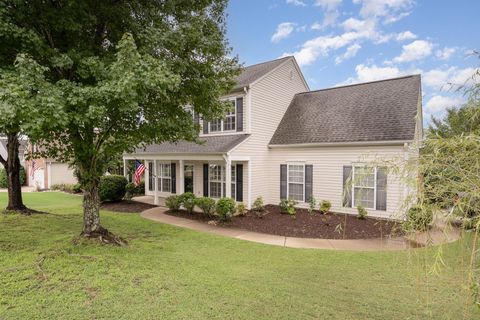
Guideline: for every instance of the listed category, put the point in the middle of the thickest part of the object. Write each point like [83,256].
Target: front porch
[202,175]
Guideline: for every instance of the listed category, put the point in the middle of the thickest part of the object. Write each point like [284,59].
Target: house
[282,140]
[21,149]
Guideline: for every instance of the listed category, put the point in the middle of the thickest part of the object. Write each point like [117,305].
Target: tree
[23,90]
[457,121]
[126,71]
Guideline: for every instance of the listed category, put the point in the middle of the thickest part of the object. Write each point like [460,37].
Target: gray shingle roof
[214,144]
[375,111]
[252,73]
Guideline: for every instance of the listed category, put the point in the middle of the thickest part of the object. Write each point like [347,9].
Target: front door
[188,178]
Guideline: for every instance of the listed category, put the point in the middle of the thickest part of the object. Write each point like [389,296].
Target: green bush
[129,190]
[188,201]
[419,217]
[4,180]
[362,212]
[312,203]
[288,206]
[259,208]
[325,206]
[241,209]
[68,188]
[173,202]
[112,188]
[140,189]
[225,208]
[77,188]
[207,205]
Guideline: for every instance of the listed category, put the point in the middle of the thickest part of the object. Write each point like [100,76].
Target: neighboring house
[48,172]
[21,149]
[282,140]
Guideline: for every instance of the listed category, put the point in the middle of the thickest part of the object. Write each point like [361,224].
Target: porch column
[146,174]
[228,177]
[125,173]
[181,176]
[155,174]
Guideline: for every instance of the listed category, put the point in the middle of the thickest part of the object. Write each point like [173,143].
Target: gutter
[341,144]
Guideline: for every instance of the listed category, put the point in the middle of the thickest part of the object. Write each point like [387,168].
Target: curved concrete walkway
[390,244]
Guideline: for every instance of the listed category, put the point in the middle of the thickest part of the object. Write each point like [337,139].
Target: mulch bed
[128,206]
[306,225]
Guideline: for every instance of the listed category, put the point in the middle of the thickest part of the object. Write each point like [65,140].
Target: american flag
[34,167]
[140,169]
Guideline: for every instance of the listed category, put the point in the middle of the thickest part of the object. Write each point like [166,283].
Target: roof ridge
[361,83]
[265,62]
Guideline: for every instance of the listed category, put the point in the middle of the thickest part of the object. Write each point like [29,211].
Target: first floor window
[296,182]
[363,184]
[217,178]
[165,177]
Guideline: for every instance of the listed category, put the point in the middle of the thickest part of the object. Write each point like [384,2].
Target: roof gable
[375,111]
[255,72]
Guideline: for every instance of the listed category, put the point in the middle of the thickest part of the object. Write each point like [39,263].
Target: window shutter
[283,181]
[174,178]
[205,126]
[205,179]
[381,188]
[347,186]
[239,182]
[196,118]
[308,181]
[239,115]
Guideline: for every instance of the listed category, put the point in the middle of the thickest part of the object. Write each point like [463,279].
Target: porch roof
[209,145]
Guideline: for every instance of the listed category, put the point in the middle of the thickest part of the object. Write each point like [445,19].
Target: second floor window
[227,124]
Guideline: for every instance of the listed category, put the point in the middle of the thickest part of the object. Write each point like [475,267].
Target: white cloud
[395,17]
[349,53]
[316,26]
[406,35]
[284,29]
[445,53]
[367,73]
[381,8]
[416,50]
[298,3]
[448,79]
[438,103]
[328,4]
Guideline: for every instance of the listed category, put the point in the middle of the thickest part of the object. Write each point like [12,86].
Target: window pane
[364,197]
[295,173]
[364,177]
[234,181]
[166,185]
[295,191]
[215,189]
[216,125]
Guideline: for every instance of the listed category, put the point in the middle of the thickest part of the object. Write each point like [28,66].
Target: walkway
[400,243]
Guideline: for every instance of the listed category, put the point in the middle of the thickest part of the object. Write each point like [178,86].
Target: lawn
[169,272]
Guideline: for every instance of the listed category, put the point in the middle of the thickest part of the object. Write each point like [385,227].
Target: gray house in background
[280,140]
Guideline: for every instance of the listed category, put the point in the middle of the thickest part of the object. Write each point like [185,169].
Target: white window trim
[233,182]
[161,177]
[234,99]
[222,182]
[374,186]
[288,179]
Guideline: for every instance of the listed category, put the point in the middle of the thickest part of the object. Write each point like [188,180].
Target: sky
[339,42]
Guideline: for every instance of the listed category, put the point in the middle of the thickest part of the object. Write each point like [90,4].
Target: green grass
[168,272]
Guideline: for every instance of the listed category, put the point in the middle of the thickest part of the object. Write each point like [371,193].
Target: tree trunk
[12,168]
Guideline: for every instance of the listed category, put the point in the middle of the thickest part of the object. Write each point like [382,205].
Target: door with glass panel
[188,177]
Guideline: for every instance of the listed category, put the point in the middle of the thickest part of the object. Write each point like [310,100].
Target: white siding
[60,173]
[328,165]
[270,98]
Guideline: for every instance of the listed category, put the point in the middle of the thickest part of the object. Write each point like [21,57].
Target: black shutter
[308,181]
[205,126]
[347,186]
[174,178]
[283,181]
[239,182]
[381,188]
[239,115]
[205,179]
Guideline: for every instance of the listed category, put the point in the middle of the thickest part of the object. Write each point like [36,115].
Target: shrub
[4,180]
[207,205]
[188,201]
[419,217]
[312,203]
[139,189]
[225,208]
[77,188]
[325,206]
[258,207]
[173,202]
[288,206]
[241,209]
[112,188]
[362,212]
[130,190]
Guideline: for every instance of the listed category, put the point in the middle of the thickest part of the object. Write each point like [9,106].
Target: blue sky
[347,41]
